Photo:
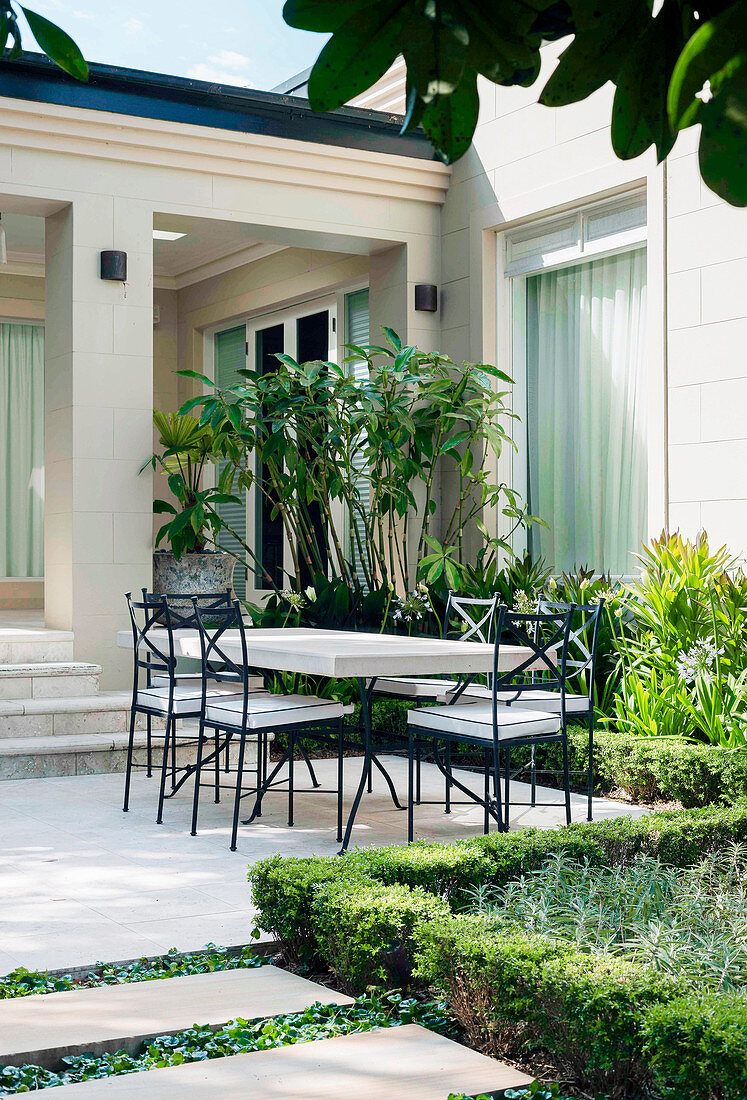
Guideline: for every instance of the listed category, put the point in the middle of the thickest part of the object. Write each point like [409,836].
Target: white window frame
[562,241]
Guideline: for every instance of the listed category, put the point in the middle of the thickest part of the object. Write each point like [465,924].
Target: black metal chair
[162,696]
[494,724]
[581,676]
[256,716]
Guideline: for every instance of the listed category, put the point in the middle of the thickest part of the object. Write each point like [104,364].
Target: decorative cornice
[258,157]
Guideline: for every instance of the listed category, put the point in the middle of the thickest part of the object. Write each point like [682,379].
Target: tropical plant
[315,434]
[660,58]
[684,667]
[187,448]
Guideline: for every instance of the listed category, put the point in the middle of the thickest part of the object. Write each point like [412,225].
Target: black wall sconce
[426,297]
[114,265]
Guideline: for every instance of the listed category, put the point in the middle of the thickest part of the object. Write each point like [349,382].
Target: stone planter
[192,574]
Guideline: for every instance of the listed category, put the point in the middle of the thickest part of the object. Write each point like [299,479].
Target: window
[579,302]
[22,448]
[229,357]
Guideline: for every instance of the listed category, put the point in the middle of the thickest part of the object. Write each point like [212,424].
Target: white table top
[346,653]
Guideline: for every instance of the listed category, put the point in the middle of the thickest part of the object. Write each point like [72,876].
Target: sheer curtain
[586,412]
[22,450]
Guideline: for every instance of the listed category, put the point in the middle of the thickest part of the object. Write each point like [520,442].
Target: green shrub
[284,888]
[697,1047]
[364,931]
[510,991]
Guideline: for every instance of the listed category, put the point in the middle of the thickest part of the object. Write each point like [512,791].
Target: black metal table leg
[365,695]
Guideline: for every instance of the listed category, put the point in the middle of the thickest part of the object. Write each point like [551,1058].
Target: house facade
[613,293]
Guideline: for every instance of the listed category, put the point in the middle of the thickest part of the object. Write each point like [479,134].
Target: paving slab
[401,1061]
[48,1027]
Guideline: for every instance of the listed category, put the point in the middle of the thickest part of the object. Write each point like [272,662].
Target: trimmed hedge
[588,1011]
[697,1047]
[284,888]
[364,930]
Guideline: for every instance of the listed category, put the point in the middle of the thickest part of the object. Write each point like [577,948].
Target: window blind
[229,357]
[357,332]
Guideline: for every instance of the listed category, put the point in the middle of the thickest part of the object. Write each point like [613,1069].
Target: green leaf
[57,45]
[450,120]
[357,55]
[160,506]
[715,51]
[639,111]
[598,49]
[392,337]
[321,15]
[196,374]
[722,153]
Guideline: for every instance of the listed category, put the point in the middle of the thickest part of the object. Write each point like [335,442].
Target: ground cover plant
[24,983]
[237,1037]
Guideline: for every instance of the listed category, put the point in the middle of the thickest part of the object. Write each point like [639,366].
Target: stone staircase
[53,718]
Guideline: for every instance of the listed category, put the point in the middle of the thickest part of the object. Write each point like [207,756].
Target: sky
[241,42]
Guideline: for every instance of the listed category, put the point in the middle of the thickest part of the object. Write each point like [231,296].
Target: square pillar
[98,410]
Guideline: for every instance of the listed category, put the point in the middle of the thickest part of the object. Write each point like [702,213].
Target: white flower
[523,603]
[698,660]
[310,593]
[293,599]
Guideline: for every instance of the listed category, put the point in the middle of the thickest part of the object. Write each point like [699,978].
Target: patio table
[347,654]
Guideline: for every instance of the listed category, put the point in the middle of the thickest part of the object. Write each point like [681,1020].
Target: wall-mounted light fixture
[114,265]
[426,297]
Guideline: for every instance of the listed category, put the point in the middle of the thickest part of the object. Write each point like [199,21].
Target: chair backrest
[217,665]
[583,642]
[153,652]
[545,636]
[181,604]
[475,617]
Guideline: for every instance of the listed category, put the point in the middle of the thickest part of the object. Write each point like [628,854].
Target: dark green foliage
[238,1037]
[364,930]
[23,983]
[697,1047]
[511,992]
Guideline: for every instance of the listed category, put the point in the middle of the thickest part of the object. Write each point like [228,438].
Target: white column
[99,397]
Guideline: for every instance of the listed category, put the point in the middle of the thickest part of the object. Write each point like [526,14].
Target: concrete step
[46,1028]
[22,644]
[376,1065]
[108,712]
[48,680]
[80,754]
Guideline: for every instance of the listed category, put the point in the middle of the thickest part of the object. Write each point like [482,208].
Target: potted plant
[193,564]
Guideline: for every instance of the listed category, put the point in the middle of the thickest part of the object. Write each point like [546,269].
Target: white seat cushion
[527,700]
[475,721]
[187,700]
[270,711]
[414,687]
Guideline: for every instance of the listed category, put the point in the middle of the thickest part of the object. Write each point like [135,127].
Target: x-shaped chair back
[545,636]
[582,642]
[148,615]
[475,616]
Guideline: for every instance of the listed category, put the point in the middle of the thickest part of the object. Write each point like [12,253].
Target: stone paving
[81,881]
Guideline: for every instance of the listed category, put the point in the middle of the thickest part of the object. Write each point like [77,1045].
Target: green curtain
[22,449]
[586,412]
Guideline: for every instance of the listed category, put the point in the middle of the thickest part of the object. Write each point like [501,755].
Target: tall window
[580,330]
[22,450]
[229,357]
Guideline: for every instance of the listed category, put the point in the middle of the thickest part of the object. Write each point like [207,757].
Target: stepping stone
[47,1027]
[400,1061]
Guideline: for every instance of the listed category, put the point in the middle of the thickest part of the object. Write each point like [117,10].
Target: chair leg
[533,769]
[237,794]
[590,790]
[164,766]
[198,778]
[173,753]
[217,766]
[507,810]
[447,778]
[310,767]
[410,776]
[149,745]
[497,799]
[340,778]
[128,772]
[417,771]
[291,754]
[228,753]
[566,780]
[486,796]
